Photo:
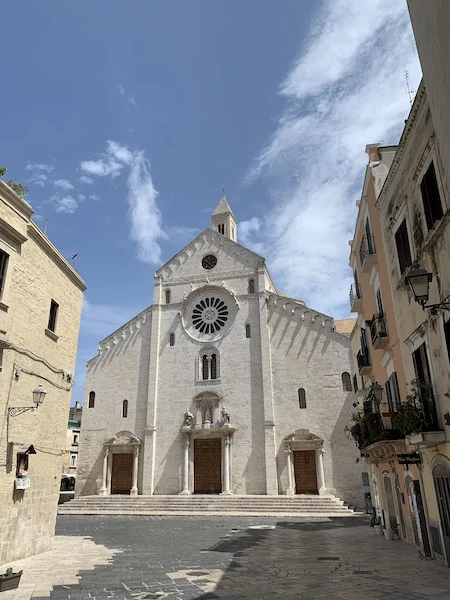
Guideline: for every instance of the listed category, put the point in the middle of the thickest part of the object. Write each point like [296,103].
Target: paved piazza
[187,558]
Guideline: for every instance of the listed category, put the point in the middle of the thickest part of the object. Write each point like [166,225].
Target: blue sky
[126,120]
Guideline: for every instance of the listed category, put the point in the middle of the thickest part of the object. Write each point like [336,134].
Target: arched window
[172,339]
[167,296]
[208,364]
[301,398]
[91,399]
[247,331]
[251,286]
[214,366]
[125,409]
[346,382]
[205,368]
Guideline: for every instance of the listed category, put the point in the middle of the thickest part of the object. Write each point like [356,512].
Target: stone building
[40,308]
[222,385]
[72,441]
[396,491]
[414,215]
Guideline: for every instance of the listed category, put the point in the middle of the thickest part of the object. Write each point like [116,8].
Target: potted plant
[9,580]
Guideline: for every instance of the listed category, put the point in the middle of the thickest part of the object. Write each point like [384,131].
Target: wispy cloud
[123,93]
[64,204]
[145,215]
[86,179]
[247,232]
[38,173]
[63,184]
[345,90]
[94,197]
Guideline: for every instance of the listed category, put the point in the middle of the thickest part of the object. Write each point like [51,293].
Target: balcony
[367,253]
[355,298]
[363,360]
[378,331]
[373,429]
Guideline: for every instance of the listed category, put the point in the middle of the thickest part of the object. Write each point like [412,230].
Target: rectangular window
[3,266]
[403,249]
[431,199]
[379,302]
[221,228]
[52,316]
[447,336]
[73,460]
[392,393]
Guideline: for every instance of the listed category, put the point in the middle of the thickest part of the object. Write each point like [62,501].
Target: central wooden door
[207,466]
[305,472]
[122,473]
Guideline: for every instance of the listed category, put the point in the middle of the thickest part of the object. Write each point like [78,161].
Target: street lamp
[377,391]
[419,281]
[38,398]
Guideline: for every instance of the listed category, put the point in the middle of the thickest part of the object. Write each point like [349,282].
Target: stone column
[226,466]
[290,488]
[185,491]
[104,489]
[320,473]
[134,489]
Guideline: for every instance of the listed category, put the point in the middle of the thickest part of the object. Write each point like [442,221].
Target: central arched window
[346,382]
[208,368]
[247,331]
[91,399]
[125,409]
[301,398]
[167,296]
[172,339]
[251,286]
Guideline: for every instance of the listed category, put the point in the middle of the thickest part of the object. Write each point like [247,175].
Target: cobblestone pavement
[187,558]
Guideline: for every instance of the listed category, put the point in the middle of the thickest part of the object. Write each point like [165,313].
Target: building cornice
[11,232]
[19,204]
[46,245]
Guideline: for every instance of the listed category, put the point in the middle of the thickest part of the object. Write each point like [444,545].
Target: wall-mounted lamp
[38,398]
[419,281]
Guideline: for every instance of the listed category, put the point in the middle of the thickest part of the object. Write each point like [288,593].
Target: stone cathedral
[223,385]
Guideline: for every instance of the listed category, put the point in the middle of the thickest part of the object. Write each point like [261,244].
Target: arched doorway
[121,465]
[441,478]
[389,494]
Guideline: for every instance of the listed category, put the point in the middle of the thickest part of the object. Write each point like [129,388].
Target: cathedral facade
[223,385]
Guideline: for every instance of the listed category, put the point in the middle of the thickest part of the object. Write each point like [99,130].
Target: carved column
[104,489]
[187,443]
[320,473]
[290,489]
[226,466]
[134,489]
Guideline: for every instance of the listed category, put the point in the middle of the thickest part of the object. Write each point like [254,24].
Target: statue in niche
[188,419]
[225,415]
[208,415]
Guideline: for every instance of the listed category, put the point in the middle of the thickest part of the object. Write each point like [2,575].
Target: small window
[301,398]
[247,331]
[208,364]
[172,339]
[205,368]
[213,366]
[403,249]
[125,409]
[346,382]
[431,199]
[251,286]
[3,266]
[52,316]
[91,399]
[167,296]
[392,393]
[75,439]
[221,228]
[73,460]
[355,383]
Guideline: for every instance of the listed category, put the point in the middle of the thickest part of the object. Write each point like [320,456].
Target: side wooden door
[122,473]
[305,472]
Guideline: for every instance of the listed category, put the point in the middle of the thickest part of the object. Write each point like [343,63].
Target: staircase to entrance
[297,506]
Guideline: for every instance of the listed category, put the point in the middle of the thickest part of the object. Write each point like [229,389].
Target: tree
[20,189]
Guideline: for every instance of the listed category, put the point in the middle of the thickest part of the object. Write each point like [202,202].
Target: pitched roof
[223,207]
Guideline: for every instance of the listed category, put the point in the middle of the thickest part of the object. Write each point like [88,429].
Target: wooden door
[207,466]
[122,473]
[305,472]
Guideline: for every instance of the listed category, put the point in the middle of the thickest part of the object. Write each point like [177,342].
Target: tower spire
[223,219]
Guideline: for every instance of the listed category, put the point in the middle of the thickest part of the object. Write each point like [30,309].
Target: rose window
[210,315]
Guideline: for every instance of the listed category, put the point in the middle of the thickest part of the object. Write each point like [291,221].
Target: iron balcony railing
[367,247]
[355,293]
[363,358]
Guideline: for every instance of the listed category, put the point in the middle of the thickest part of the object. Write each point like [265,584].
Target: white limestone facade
[212,374]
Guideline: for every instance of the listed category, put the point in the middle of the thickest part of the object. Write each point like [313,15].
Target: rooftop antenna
[409,92]
[45,226]
[74,258]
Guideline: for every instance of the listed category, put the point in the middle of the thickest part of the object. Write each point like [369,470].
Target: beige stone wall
[36,273]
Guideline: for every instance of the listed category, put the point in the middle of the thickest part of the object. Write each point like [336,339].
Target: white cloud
[86,179]
[100,320]
[123,92]
[145,216]
[64,184]
[121,89]
[66,204]
[345,90]
[39,173]
[94,197]
[246,231]
[132,101]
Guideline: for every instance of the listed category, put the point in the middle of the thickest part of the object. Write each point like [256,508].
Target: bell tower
[223,220]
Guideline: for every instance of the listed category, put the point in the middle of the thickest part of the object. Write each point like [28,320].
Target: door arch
[390,506]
